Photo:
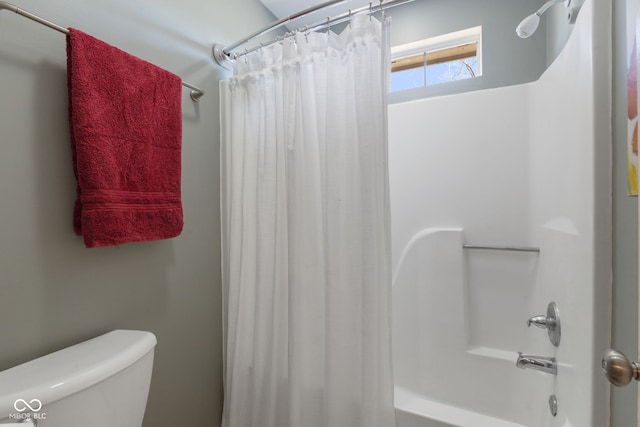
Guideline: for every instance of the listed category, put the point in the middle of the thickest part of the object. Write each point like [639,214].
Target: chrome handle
[538,363]
[618,369]
[550,322]
[539,321]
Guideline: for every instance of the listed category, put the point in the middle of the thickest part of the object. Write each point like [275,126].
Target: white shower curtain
[306,239]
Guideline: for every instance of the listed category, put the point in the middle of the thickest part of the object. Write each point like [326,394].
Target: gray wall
[560,21]
[625,227]
[507,59]
[53,291]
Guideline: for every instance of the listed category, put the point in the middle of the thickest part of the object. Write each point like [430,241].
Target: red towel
[125,122]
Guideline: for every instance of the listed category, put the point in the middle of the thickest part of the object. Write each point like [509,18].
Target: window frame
[439,49]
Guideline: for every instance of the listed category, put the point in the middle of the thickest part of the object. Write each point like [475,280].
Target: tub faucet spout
[537,363]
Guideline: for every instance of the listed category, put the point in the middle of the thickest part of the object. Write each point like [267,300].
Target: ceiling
[284,8]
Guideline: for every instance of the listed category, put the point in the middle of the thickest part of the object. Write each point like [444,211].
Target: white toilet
[102,382]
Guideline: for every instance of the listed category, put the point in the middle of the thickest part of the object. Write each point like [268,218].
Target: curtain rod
[195,94]
[223,55]
[227,50]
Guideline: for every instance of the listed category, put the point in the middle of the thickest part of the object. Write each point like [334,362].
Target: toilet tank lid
[60,374]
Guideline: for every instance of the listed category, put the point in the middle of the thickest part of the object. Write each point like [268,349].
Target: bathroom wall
[507,59]
[624,401]
[53,291]
[560,21]
[532,170]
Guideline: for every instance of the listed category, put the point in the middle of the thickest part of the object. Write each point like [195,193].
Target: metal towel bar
[196,92]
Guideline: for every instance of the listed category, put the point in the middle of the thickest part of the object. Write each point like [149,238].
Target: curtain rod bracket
[222,59]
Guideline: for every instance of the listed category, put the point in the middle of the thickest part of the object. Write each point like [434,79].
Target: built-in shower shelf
[494,353]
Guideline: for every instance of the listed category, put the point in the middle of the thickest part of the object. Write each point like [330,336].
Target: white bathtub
[413,410]
[454,351]
[523,165]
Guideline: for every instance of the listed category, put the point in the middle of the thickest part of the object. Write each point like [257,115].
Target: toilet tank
[102,382]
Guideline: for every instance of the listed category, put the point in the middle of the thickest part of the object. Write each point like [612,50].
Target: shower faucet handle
[550,322]
[542,322]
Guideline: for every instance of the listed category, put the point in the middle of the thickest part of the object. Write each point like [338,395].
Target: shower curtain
[306,239]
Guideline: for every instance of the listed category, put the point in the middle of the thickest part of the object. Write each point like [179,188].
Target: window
[451,57]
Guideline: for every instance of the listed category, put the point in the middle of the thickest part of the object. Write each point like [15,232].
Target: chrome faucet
[537,363]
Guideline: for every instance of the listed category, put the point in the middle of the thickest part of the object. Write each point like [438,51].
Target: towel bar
[196,93]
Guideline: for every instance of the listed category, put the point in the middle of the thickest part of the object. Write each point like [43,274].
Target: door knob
[618,369]
[550,322]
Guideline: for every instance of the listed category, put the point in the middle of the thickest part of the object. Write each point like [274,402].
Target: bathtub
[522,165]
[454,353]
[413,410]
